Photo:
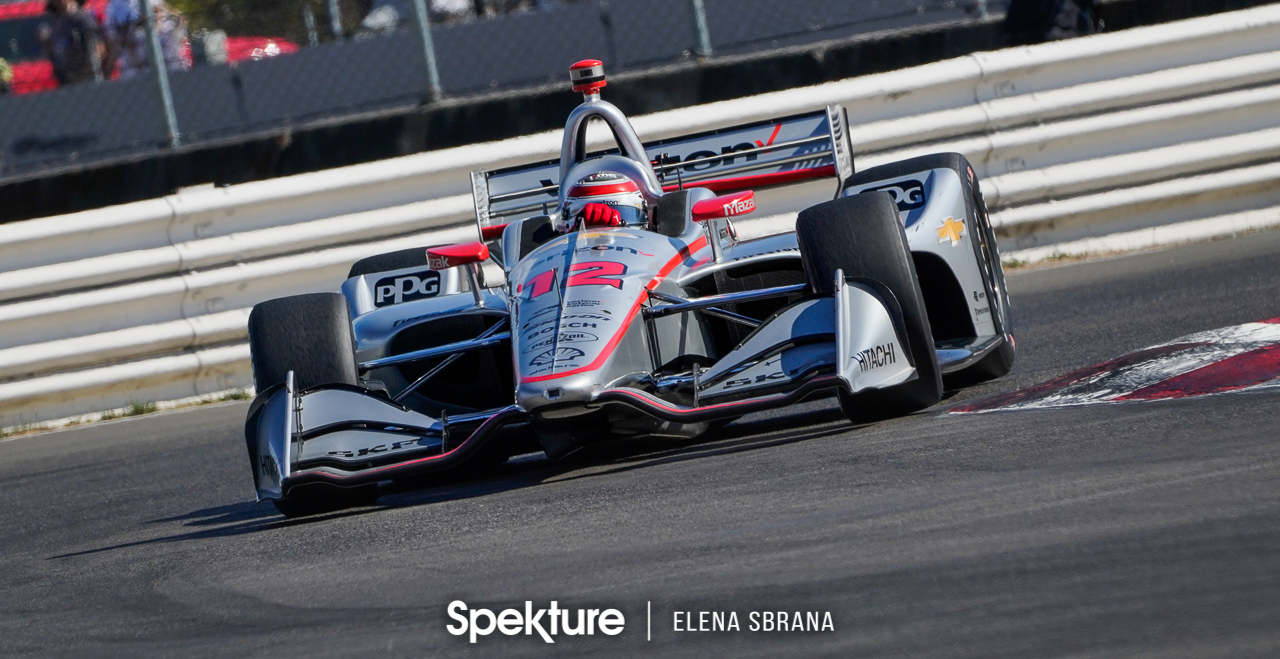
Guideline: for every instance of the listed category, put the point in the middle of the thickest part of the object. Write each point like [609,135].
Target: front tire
[311,336]
[307,334]
[863,236]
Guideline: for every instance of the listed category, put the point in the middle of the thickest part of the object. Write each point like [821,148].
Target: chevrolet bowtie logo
[950,230]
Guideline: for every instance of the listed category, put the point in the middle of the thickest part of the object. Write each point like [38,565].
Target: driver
[604,199]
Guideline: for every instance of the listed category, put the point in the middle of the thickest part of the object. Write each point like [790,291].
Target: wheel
[863,236]
[307,334]
[317,499]
[311,336]
[414,257]
[1000,361]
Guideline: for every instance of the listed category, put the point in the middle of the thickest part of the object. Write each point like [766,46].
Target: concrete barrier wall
[1144,135]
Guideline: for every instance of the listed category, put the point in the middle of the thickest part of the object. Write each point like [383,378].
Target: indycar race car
[609,296]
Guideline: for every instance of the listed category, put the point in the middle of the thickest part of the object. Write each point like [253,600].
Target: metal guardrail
[1115,133]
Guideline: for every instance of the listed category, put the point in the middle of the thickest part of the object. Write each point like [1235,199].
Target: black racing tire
[307,334]
[319,498]
[863,236]
[311,336]
[414,257]
[1000,361]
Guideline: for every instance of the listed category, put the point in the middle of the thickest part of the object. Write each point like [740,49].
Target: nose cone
[571,392]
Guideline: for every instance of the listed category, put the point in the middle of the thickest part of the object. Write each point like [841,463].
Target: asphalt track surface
[1146,528]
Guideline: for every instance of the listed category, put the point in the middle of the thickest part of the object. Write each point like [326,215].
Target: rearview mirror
[452,256]
[738,203]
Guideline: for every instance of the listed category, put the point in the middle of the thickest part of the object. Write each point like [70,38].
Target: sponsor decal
[909,194]
[380,448]
[437,262]
[555,357]
[979,295]
[951,230]
[546,623]
[983,311]
[606,234]
[740,206]
[876,357]
[529,336]
[268,466]
[759,379]
[406,288]
[706,159]
[610,248]
[563,337]
[531,324]
[582,303]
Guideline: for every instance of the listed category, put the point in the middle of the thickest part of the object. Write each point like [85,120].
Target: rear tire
[863,236]
[307,334]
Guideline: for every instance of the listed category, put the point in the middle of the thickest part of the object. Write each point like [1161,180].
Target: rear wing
[751,156]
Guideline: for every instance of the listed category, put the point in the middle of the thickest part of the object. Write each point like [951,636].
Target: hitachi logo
[876,357]
[482,622]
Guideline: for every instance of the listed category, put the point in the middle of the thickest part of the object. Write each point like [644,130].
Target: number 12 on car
[585,274]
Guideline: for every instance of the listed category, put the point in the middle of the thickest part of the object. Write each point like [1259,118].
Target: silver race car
[609,297]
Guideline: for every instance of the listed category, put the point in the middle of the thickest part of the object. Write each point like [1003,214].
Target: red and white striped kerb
[587,76]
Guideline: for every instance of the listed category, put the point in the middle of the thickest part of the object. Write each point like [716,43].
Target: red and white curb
[1241,357]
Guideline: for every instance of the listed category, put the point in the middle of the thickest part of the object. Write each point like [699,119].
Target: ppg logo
[909,194]
[406,288]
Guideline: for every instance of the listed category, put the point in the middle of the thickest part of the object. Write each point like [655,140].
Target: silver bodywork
[604,333]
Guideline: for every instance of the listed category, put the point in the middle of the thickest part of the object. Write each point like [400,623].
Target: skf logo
[406,288]
[740,206]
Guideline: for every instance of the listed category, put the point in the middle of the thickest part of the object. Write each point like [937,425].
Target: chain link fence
[82,85]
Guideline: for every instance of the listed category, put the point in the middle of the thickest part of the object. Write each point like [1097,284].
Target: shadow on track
[612,458]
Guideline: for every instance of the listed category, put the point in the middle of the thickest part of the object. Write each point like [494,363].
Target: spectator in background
[1034,21]
[127,32]
[72,42]
[449,11]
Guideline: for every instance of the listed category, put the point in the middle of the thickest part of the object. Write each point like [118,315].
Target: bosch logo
[739,206]
[406,288]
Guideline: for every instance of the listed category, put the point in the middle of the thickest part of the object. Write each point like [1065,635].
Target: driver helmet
[610,188]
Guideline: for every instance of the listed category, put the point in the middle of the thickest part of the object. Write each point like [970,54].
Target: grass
[138,409]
